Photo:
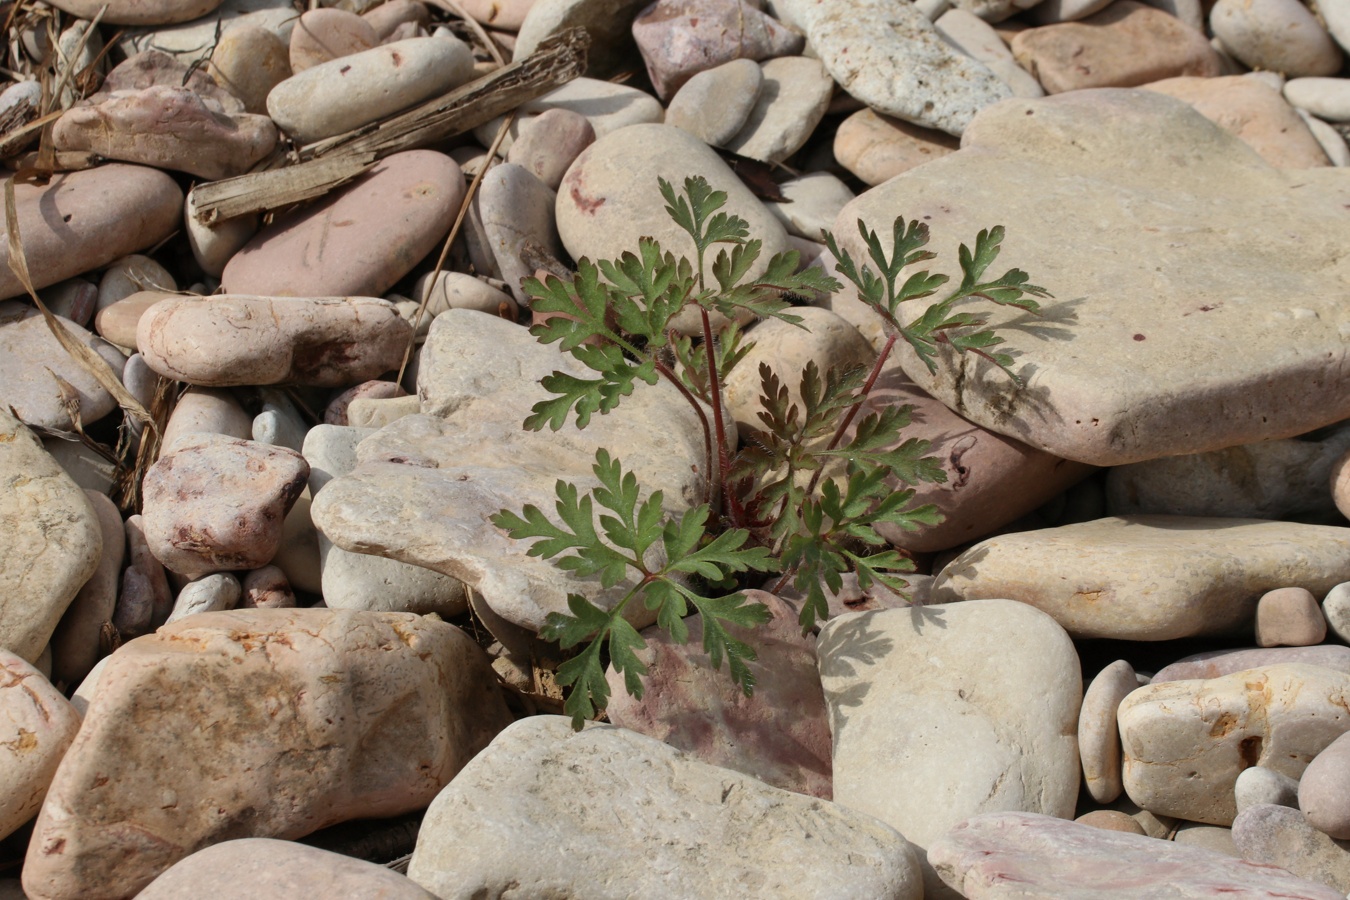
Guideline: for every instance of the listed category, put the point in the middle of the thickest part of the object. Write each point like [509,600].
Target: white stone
[942,712]
[792,99]
[540,785]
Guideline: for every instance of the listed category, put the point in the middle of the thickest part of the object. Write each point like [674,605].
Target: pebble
[743,831]
[1129,44]
[75,642]
[1275,35]
[1259,785]
[1111,820]
[266,588]
[360,240]
[1254,112]
[1333,144]
[891,58]
[608,107]
[508,15]
[53,540]
[680,38]
[139,12]
[877,148]
[458,290]
[321,716]
[813,203]
[168,127]
[608,22]
[334,97]
[715,103]
[551,143]
[1214,663]
[30,356]
[216,503]
[1270,480]
[930,720]
[105,213]
[1047,858]
[1289,617]
[1098,737]
[977,39]
[329,341]
[793,96]
[325,34]
[248,62]
[37,724]
[1326,98]
[210,593]
[132,275]
[516,211]
[278,870]
[1280,836]
[1324,791]
[1278,716]
[1150,577]
[426,485]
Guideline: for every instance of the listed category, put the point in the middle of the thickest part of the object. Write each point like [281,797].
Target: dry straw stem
[87,359]
[330,162]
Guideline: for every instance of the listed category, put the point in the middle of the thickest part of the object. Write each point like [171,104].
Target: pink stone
[781,735]
[229,340]
[680,38]
[336,413]
[215,503]
[323,34]
[1215,663]
[168,127]
[83,220]
[257,723]
[1033,857]
[359,241]
[37,724]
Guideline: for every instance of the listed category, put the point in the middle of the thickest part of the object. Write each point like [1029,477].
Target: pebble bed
[258,634]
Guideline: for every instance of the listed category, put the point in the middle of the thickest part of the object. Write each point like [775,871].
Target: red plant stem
[703,420]
[853,410]
[715,394]
[839,435]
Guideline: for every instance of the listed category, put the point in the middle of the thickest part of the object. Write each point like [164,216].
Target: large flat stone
[426,485]
[1015,855]
[1150,578]
[1199,292]
[610,813]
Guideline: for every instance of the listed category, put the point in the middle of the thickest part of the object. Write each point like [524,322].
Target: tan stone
[37,724]
[324,33]
[248,62]
[51,540]
[1150,578]
[1185,742]
[75,644]
[876,148]
[1124,45]
[1133,361]
[257,723]
[1254,112]
[117,323]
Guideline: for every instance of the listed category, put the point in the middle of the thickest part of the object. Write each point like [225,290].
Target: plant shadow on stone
[803,495]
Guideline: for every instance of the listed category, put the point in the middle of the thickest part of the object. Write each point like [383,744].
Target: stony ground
[259,636]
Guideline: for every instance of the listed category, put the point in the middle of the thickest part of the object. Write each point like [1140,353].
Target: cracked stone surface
[1150,578]
[1186,742]
[51,540]
[425,486]
[935,719]
[745,835]
[257,723]
[1203,303]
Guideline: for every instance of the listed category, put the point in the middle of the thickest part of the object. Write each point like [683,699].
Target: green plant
[769,508]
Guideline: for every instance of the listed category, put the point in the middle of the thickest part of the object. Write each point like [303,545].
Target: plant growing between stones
[769,509]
